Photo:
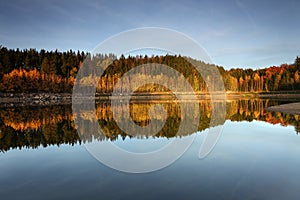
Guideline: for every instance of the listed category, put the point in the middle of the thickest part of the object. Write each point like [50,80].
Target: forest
[32,71]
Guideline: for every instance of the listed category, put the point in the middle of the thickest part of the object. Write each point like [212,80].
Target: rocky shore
[20,99]
[40,99]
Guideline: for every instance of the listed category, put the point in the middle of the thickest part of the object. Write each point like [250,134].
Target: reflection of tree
[31,127]
[297,127]
[24,118]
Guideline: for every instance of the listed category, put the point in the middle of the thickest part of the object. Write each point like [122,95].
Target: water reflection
[31,127]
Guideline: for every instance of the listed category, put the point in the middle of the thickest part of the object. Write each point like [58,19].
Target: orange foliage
[21,80]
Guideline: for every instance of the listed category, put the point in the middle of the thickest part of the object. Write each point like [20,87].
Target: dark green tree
[297,62]
[48,67]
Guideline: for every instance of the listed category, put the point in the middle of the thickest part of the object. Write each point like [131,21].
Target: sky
[234,33]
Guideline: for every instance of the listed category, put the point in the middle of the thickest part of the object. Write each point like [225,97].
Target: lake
[44,156]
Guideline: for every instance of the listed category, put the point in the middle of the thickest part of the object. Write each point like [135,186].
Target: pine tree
[1,71]
[48,67]
[297,63]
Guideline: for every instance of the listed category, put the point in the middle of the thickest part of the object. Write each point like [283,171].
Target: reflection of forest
[31,127]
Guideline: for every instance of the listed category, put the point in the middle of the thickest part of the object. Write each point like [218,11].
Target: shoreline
[12,99]
[19,97]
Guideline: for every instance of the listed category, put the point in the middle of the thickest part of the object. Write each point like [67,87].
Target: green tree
[48,67]
[297,62]
[1,71]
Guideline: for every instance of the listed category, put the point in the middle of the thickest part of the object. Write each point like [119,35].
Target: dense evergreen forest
[30,71]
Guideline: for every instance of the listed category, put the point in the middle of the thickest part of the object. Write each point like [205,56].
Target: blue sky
[235,33]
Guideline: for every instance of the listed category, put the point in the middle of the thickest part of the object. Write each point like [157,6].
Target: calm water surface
[256,157]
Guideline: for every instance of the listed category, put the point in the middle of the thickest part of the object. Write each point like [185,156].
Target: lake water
[43,156]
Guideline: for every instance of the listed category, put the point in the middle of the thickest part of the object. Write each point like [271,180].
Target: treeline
[26,71]
[282,78]
[38,71]
[50,62]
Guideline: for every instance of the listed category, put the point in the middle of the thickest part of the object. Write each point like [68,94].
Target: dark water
[44,157]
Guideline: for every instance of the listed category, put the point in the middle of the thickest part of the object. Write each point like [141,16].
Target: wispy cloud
[66,13]
[233,32]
